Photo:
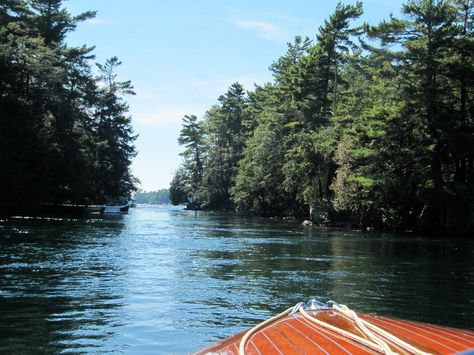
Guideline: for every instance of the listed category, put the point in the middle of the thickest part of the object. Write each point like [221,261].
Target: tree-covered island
[65,132]
[368,124]
[159,197]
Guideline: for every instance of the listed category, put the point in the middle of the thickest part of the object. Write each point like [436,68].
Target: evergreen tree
[432,39]
[309,169]
[114,134]
[192,137]
[51,140]
[258,185]
[53,22]
[379,131]
[225,133]
[179,188]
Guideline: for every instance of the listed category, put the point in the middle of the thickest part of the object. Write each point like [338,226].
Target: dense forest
[159,197]
[65,132]
[368,124]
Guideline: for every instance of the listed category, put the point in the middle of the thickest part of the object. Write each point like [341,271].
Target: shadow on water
[55,286]
[421,279]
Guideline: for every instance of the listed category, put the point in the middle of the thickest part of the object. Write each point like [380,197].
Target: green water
[164,280]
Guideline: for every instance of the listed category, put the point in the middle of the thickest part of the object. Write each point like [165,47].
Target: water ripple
[144,282]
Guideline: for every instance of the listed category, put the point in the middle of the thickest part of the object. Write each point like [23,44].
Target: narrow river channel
[165,280]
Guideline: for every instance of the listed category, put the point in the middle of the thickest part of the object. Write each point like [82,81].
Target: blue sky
[181,55]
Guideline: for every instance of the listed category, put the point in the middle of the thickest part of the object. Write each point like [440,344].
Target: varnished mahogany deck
[296,335]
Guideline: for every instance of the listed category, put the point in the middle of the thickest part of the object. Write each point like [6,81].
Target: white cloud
[98,22]
[166,106]
[263,29]
[164,115]
[156,107]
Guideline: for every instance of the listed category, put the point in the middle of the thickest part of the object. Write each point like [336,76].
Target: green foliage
[64,134]
[372,123]
[179,189]
[153,197]
[113,134]
[192,137]
[225,135]
[258,182]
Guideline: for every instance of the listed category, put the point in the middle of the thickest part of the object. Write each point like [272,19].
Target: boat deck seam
[270,341]
[312,341]
[393,323]
[439,329]
[333,334]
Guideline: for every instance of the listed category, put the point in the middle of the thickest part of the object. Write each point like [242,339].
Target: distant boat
[94,208]
[116,208]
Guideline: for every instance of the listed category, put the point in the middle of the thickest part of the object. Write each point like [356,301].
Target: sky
[181,55]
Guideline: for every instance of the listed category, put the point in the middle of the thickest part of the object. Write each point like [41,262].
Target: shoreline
[344,224]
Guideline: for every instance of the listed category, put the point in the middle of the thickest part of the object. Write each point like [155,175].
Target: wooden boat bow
[330,328]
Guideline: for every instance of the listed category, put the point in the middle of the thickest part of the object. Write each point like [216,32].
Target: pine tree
[114,134]
[226,134]
[192,137]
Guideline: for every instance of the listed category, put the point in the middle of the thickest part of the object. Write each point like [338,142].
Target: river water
[163,280]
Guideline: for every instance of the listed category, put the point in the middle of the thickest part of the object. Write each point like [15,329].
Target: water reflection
[164,280]
[421,279]
[57,290]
